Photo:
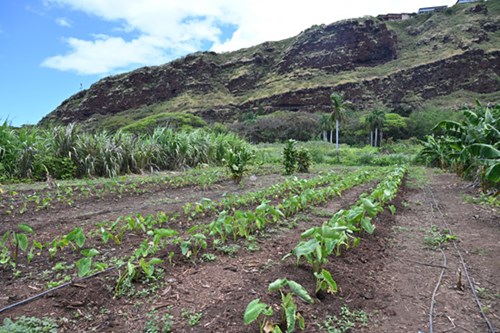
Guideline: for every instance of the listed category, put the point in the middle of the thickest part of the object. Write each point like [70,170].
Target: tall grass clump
[65,152]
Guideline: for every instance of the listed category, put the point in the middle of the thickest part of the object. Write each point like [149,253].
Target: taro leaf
[165,232]
[254,309]
[146,267]
[155,261]
[277,284]
[327,277]
[290,310]
[84,265]
[367,225]
[308,232]
[77,236]
[371,208]
[303,249]
[25,228]
[105,235]
[185,248]
[100,266]
[300,291]
[192,229]
[89,252]
[21,241]
[80,239]
[131,270]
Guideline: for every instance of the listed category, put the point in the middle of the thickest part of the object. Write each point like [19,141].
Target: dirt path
[408,280]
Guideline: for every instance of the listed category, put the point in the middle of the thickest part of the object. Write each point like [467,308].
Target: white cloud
[106,54]
[170,28]
[63,22]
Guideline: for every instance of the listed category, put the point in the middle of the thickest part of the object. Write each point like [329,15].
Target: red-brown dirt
[391,275]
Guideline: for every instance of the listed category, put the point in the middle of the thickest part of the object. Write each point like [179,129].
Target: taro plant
[325,282]
[134,271]
[320,243]
[257,310]
[290,317]
[85,265]
[15,241]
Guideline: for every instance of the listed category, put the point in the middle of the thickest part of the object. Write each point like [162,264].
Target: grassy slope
[427,46]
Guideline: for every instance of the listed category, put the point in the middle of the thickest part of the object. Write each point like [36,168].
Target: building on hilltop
[431,9]
[396,17]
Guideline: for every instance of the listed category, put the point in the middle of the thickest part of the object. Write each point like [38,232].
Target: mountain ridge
[396,63]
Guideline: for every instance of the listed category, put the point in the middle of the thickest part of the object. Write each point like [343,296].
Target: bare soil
[391,275]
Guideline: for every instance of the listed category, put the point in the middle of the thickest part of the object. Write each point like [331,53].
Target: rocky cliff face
[300,73]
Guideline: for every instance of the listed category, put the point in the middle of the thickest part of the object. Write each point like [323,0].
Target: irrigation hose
[491,329]
[431,310]
[32,298]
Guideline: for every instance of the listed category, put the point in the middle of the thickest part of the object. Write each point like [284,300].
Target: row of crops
[16,202]
[317,246]
[176,234]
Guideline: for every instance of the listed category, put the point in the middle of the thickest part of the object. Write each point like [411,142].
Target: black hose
[53,289]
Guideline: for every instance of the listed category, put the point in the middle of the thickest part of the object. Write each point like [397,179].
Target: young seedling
[257,310]
[289,315]
[15,241]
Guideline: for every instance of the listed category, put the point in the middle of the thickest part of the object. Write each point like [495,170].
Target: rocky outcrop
[475,71]
[341,47]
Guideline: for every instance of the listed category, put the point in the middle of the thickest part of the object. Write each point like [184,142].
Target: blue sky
[51,48]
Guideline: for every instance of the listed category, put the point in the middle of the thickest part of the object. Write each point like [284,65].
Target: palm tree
[325,124]
[376,121]
[369,123]
[338,114]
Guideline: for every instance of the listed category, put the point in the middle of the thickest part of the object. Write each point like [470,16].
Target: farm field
[187,252]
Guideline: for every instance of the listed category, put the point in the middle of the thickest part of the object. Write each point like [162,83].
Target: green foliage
[278,127]
[256,310]
[346,322]
[237,162]
[421,122]
[12,242]
[28,324]
[174,120]
[290,317]
[290,157]
[303,160]
[470,148]
[65,152]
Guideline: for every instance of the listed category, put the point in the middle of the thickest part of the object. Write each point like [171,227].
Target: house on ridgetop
[396,17]
[432,9]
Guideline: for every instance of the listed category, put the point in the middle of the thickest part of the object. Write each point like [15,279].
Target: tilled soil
[391,275]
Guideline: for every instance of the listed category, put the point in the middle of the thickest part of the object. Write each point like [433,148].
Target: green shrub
[303,160]
[289,157]
[237,162]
